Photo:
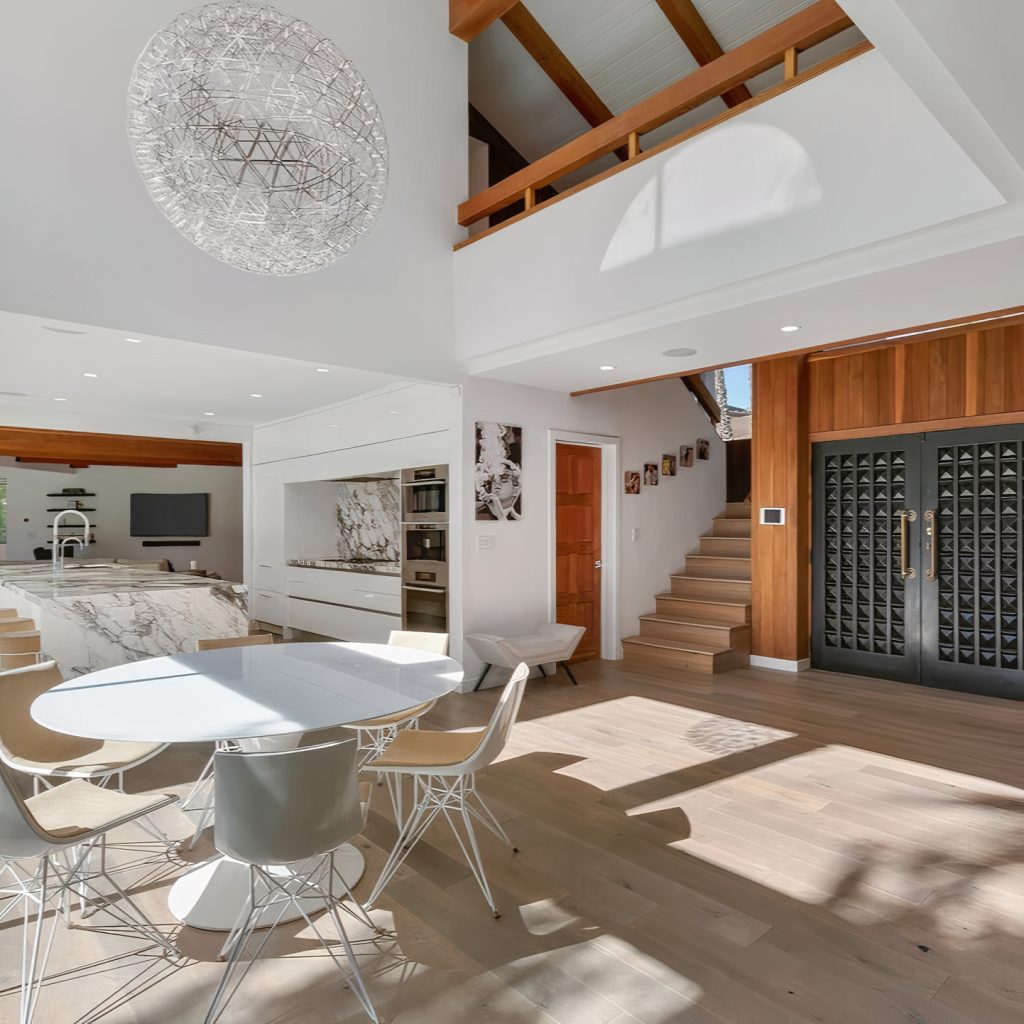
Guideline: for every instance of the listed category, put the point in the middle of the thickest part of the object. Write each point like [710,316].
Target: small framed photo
[650,474]
[703,449]
[631,485]
[685,456]
[668,465]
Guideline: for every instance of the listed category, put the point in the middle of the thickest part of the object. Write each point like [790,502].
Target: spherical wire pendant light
[257,138]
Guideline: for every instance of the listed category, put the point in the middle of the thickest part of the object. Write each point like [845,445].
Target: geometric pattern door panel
[972,592]
[866,587]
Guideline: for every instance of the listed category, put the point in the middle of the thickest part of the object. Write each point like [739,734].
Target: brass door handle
[907,572]
[932,572]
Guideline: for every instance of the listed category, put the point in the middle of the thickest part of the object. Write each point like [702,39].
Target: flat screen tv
[169,515]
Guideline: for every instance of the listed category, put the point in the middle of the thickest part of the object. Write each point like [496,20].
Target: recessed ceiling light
[679,353]
[393,412]
[60,399]
[607,366]
[254,395]
[322,369]
[134,341]
[789,328]
[209,414]
[90,375]
[334,426]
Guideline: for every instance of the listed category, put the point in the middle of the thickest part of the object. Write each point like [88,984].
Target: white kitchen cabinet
[341,622]
[269,607]
[359,589]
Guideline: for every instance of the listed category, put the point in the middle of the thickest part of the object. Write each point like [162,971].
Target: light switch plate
[773,517]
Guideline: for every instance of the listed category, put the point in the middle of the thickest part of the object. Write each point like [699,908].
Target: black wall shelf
[170,543]
[71,510]
[80,494]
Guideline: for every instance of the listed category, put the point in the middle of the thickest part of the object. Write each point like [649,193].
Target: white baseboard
[779,664]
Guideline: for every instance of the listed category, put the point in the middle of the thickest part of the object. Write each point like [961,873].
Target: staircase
[703,623]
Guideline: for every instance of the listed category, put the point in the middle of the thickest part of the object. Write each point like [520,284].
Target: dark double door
[917,559]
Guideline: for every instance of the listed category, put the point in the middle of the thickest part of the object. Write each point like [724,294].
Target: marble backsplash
[368,517]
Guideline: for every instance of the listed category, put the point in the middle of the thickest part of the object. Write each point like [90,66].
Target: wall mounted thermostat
[486,542]
[773,517]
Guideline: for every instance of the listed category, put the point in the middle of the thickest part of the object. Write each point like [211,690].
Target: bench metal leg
[542,671]
[568,672]
[483,676]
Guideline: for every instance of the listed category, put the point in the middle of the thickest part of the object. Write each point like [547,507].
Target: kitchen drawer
[268,575]
[364,590]
[268,606]
[342,623]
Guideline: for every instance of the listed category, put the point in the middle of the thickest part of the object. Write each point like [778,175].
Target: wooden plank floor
[751,848]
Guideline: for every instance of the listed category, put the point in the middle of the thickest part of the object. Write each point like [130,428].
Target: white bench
[552,643]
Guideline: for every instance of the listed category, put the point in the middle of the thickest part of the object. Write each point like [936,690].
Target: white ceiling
[160,377]
[626,50]
[83,241]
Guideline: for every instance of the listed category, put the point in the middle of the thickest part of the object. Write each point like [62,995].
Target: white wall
[508,588]
[29,524]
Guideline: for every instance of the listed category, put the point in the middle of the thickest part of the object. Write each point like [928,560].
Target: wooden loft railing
[780,44]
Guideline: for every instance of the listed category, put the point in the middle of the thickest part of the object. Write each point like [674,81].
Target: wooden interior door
[578,543]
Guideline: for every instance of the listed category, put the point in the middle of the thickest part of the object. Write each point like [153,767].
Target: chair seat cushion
[77,807]
[554,641]
[396,719]
[107,756]
[421,748]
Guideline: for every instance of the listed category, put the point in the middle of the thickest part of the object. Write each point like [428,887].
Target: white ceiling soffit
[98,371]
[929,291]
[863,177]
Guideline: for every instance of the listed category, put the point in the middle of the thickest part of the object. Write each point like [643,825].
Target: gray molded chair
[288,807]
[59,830]
[443,766]
[202,784]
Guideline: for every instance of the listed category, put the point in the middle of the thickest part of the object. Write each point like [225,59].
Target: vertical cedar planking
[971,378]
[781,478]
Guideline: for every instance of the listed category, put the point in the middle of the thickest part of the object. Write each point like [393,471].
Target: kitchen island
[97,616]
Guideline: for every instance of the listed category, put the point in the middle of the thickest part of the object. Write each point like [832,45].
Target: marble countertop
[337,565]
[35,581]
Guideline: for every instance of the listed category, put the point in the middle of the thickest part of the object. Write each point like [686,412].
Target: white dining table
[269,694]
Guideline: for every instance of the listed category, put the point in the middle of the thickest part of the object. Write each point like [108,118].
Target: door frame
[611,646]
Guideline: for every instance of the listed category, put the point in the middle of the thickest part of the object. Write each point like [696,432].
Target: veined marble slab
[97,617]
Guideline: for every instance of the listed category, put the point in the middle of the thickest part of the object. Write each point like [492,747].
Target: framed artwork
[685,456]
[703,449]
[650,474]
[498,475]
[631,484]
[668,465]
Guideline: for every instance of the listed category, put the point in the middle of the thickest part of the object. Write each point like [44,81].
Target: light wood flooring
[749,848]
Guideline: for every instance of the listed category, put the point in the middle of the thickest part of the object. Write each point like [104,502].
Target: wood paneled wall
[980,373]
[960,380]
[781,477]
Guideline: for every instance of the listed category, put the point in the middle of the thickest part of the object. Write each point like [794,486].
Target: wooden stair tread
[669,596]
[675,645]
[690,621]
[706,579]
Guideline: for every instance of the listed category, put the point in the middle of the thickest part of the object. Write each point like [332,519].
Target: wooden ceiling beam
[572,85]
[468,18]
[808,26]
[699,40]
[60,446]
